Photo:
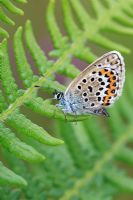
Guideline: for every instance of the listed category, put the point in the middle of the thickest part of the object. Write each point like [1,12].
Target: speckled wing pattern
[101,83]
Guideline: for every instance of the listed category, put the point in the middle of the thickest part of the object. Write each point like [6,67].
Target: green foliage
[85,167]
[7,4]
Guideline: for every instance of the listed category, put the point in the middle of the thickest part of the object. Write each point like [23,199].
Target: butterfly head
[58,95]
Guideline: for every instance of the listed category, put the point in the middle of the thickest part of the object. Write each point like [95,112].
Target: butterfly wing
[101,83]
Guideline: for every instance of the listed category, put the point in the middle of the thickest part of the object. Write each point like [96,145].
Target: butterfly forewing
[101,83]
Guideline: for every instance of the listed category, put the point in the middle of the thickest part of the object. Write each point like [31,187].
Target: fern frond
[6,74]
[101,24]
[23,66]
[3,33]
[56,35]
[35,50]
[3,16]
[11,7]
[7,177]
[18,148]
[120,180]
[20,122]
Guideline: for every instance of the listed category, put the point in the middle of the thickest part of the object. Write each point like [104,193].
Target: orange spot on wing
[103,71]
[111,89]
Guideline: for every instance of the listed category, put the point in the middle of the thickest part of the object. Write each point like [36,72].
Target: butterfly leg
[63,110]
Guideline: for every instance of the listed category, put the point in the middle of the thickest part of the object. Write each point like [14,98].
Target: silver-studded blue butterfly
[96,87]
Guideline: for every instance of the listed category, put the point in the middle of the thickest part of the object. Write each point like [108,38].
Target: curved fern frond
[6,4]
[92,158]
[8,177]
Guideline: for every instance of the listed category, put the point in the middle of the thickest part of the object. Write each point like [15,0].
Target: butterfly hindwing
[101,83]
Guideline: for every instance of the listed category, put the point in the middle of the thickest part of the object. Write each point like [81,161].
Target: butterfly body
[68,105]
[96,87]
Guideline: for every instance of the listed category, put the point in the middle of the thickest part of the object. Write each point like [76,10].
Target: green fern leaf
[7,177]
[3,16]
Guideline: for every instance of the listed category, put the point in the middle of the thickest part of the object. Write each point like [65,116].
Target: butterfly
[95,88]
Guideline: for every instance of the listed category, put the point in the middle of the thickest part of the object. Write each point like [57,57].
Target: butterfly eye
[58,96]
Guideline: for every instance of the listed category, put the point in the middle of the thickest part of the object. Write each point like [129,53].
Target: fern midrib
[89,175]
[58,63]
